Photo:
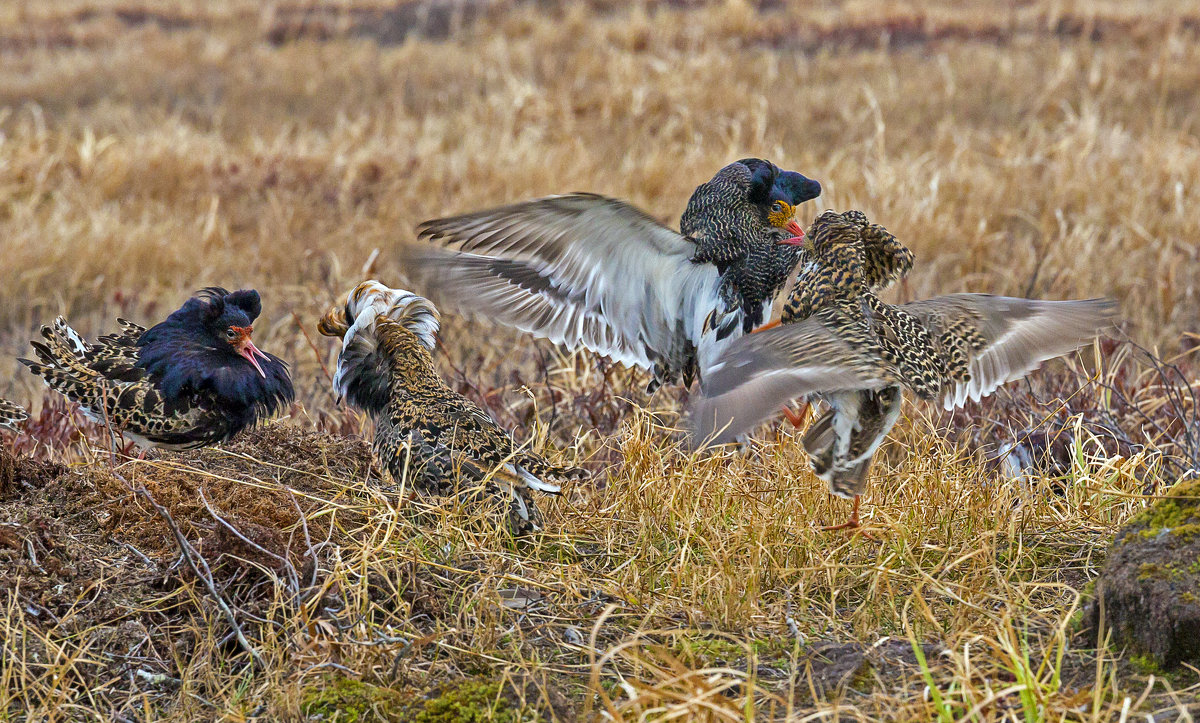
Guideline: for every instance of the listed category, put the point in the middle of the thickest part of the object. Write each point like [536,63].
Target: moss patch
[1176,514]
[346,700]
[473,702]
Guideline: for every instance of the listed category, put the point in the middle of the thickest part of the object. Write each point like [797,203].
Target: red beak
[797,233]
[246,348]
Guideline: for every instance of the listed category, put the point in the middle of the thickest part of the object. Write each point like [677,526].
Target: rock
[1149,588]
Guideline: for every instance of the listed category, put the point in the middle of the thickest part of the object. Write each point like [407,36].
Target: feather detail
[12,415]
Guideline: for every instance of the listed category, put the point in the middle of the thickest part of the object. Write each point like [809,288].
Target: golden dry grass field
[147,149]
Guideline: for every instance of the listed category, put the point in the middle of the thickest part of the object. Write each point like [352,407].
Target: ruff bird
[589,271]
[192,380]
[840,343]
[12,416]
[386,369]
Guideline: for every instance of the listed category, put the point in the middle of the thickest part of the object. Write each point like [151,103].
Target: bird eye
[777,207]
[230,334]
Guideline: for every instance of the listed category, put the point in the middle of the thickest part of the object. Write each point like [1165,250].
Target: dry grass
[1046,149]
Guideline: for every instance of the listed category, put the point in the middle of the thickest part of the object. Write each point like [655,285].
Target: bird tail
[851,481]
[818,441]
[540,474]
[61,359]
[819,435]
[12,416]
[63,363]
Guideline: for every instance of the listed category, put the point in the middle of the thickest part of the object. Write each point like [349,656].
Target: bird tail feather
[851,481]
[12,415]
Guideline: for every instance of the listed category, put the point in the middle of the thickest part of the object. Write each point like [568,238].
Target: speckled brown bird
[191,380]
[12,415]
[589,271]
[841,343]
[421,425]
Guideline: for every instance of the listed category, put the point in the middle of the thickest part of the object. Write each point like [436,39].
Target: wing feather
[1017,334]
[580,270]
[758,373]
[761,372]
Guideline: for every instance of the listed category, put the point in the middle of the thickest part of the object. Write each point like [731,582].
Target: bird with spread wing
[589,271]
[192,380]
[386,369]
[839,342]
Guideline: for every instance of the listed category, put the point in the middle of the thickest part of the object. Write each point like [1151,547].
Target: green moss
[346,700]
[471,702]
[1145,664]
[1157,571]
[1177,514]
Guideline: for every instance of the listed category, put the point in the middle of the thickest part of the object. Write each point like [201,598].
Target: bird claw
[796,418]
[853,525]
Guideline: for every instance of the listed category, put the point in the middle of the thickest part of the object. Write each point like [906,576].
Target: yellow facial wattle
[781,214]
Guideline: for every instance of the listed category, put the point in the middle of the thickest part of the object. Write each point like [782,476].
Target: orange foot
[768,325]
[796,418]
[851,524]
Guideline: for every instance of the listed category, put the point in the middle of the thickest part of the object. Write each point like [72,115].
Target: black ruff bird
[12,416]
[421,425]
[841,343]
[192,380]
[589,271]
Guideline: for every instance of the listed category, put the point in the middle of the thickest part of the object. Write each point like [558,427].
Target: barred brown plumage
[422,427]
[192,380]
[589,271]
[841,343]
[12,415]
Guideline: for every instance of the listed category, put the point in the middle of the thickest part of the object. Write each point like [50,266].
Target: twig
[197,562]
[294,577]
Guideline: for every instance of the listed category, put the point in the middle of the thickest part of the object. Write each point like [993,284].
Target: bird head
[371,299]
[228,320]
[830,232]
[206,345]
[789,190]
[779,192]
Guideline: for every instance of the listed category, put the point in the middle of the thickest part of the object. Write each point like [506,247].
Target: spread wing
[580,270]
[1007,339]
[761,372]
[1010,337]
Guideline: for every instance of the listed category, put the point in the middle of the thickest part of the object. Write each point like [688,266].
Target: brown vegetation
[148,149]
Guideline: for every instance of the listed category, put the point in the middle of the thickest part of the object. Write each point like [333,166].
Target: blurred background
[1038,148]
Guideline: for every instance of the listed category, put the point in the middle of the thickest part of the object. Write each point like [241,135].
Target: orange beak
[797,233]
[246,348]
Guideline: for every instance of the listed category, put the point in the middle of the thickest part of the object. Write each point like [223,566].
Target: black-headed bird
[422,427]
[840,343]
[192,380]
[589,271]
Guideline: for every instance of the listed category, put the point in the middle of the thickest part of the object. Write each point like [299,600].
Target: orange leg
[796,418]
[768,325]
[851,524]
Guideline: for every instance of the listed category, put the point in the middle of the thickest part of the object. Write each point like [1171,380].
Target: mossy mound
[1148,587]
[345,700]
